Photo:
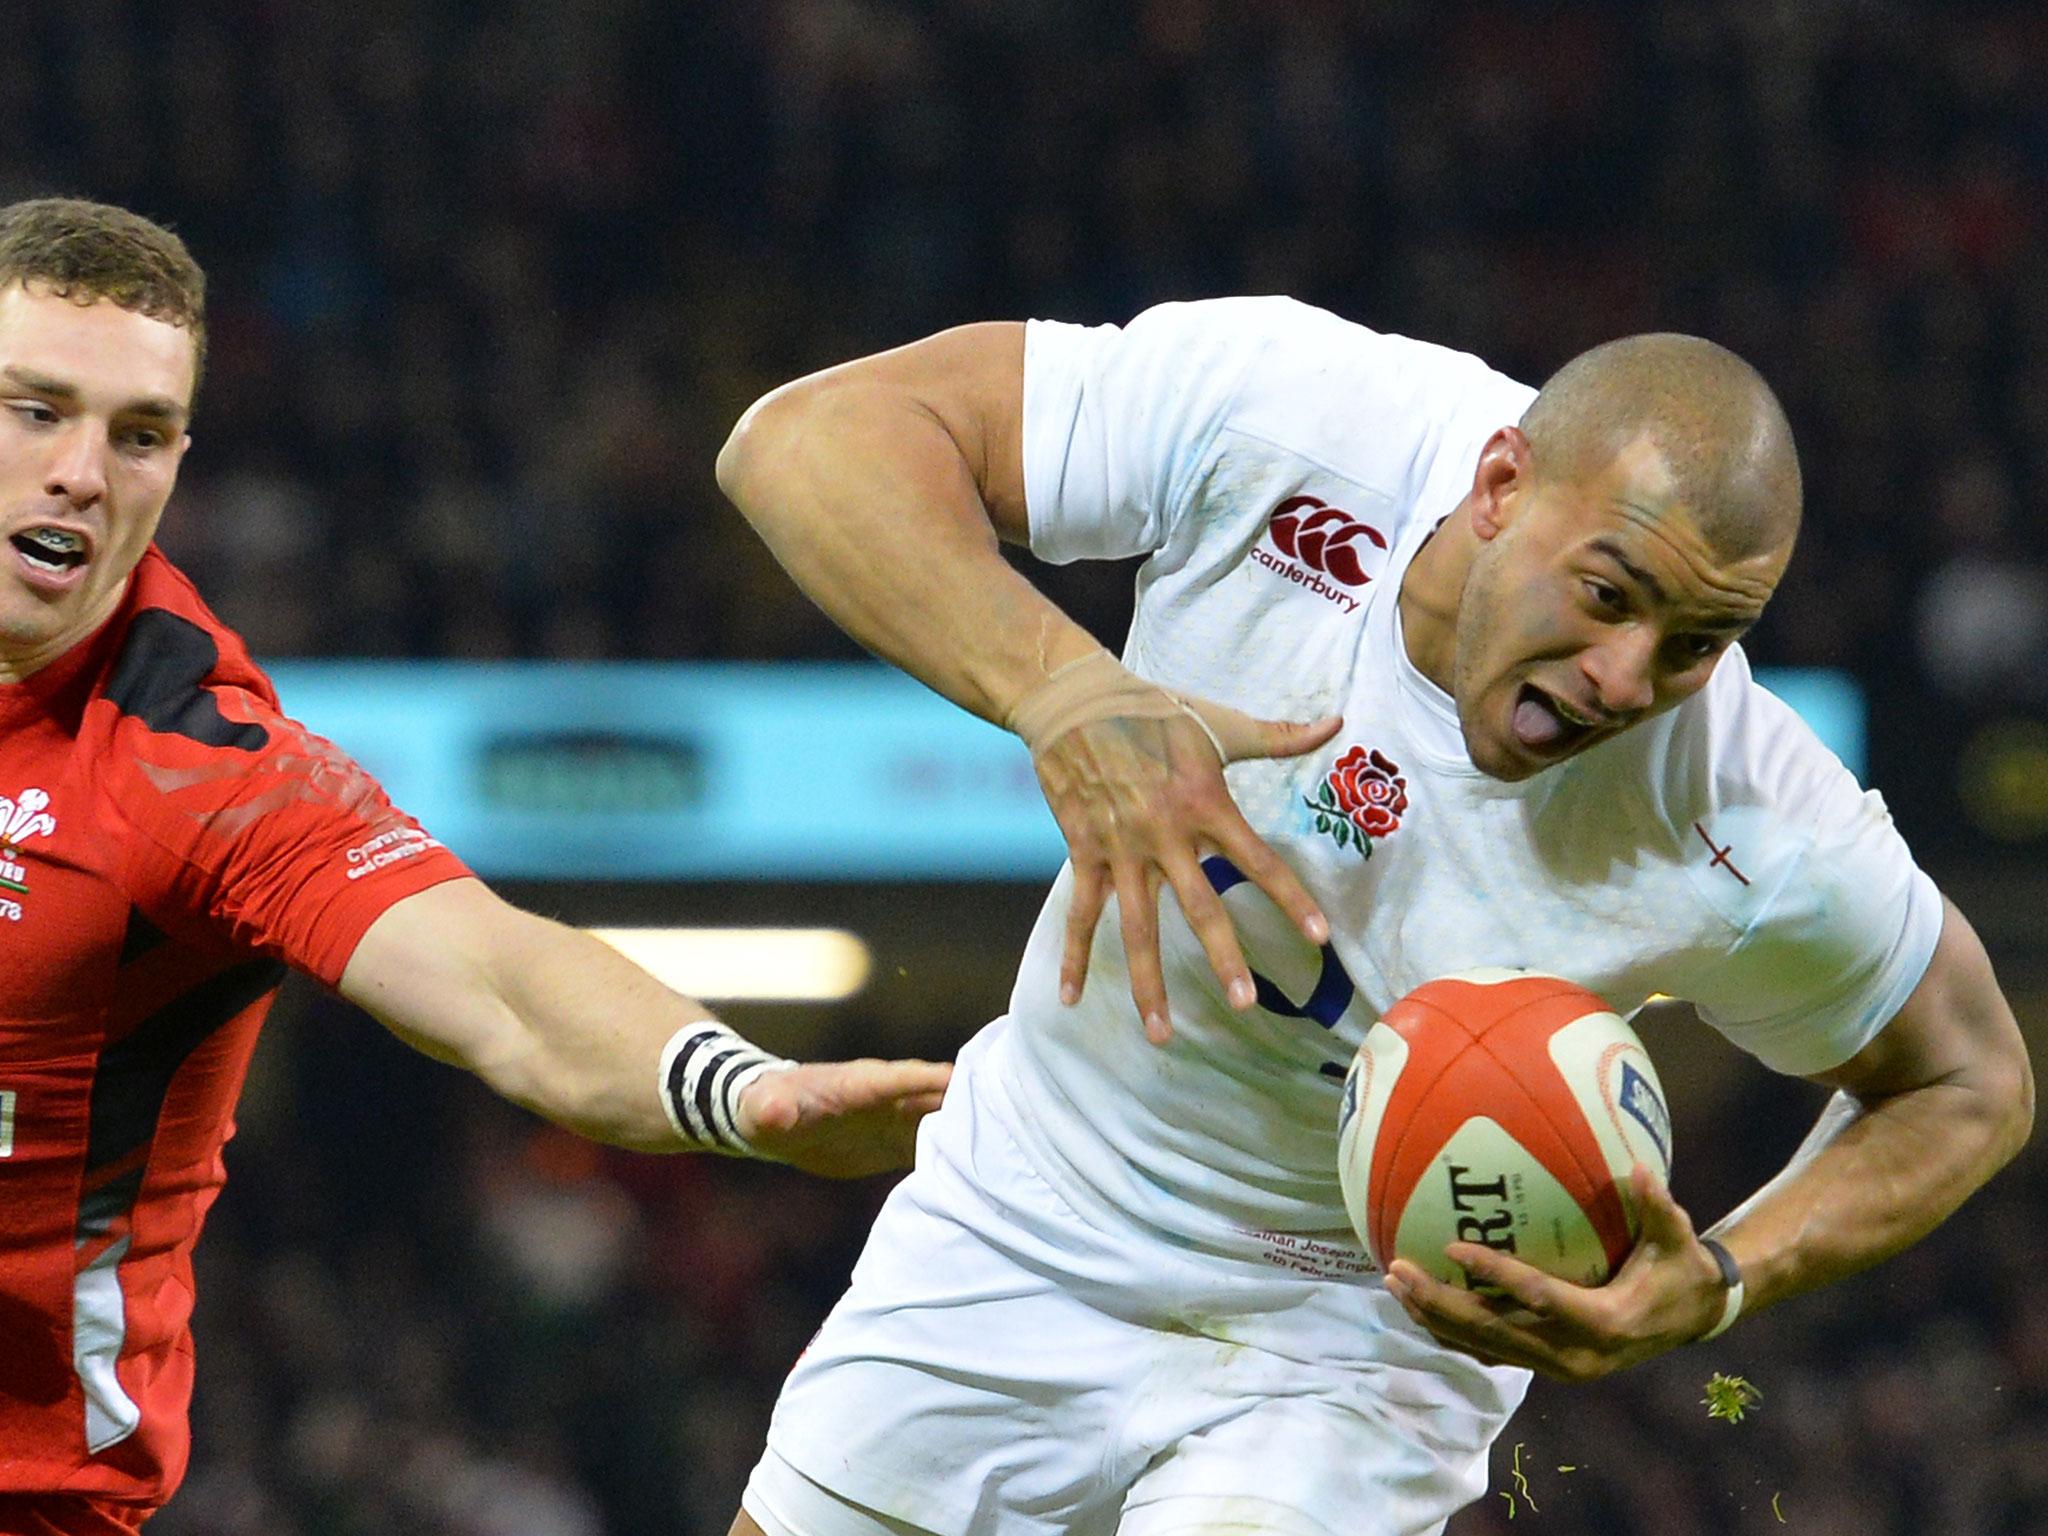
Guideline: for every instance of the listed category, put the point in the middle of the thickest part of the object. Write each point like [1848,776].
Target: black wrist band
[1731,1272]
[1731,1278]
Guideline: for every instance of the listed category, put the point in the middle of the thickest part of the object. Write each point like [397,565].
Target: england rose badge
[1360,800]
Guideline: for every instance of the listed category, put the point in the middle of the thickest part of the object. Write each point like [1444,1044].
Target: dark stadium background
[490,283]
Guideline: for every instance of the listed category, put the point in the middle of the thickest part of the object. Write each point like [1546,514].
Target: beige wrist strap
[1090,688]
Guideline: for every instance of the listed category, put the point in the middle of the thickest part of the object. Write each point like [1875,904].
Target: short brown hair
[88,251]
[1718,427]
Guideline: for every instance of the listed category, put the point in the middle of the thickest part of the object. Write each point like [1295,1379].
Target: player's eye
[145,439]
[1605,594]
[33,410]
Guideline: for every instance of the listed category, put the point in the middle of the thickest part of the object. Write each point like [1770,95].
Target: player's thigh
[781,1501]
[968,1383]
[1198,1514]
[1335,1459]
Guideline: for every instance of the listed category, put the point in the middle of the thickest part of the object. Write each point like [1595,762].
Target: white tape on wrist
[1731,1276]
[1096,687]
[704,1069]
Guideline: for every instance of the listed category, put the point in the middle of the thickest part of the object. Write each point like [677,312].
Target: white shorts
[1002,1365]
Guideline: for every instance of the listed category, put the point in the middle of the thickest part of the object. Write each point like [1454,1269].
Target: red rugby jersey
[169,843]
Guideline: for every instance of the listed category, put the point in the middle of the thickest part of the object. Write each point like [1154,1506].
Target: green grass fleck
[1521,1479]
[1730,1397]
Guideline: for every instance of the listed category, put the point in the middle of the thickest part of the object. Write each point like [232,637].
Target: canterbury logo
[1324,537]
[1327,541]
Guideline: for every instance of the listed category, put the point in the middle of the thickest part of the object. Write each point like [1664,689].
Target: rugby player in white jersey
[1118,1293]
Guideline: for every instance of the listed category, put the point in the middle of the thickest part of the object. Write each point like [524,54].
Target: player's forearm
[548,1016]
[1871,1180]
[555,1020]
[583,1038]
[872,505]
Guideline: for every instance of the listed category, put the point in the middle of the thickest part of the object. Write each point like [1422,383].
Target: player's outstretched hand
[841,1119]
[1141,802]
[1667,1292]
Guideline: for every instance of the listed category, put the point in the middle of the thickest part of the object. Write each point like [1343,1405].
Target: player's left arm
[1939,1101]
[1922,1116]
[556,1020]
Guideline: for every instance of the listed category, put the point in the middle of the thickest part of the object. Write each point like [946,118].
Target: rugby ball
[1505,1108]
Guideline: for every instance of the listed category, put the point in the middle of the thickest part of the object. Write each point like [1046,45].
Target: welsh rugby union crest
[21,818]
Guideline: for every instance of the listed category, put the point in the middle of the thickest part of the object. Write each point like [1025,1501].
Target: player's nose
[1622,670]
[77,469]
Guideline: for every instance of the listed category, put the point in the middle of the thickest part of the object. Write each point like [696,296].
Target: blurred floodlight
[807,965]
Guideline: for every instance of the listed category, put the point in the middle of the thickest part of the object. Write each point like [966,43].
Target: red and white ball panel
[1505,1108]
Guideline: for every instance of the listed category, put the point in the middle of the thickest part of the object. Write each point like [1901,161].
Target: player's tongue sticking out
[1536,723]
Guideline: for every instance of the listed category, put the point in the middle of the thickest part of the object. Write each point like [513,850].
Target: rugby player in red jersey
[170,842]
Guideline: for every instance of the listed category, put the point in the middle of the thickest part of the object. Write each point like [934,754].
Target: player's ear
[1500,482]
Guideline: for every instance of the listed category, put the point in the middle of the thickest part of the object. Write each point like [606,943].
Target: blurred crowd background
[491,283]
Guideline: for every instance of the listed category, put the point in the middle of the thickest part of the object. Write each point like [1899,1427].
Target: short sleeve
[1838,942]
[1118,419]
[272,839]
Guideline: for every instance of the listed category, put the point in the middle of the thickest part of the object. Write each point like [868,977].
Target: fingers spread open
[1269,872]
[1206,915]
[1141,800]
[1084,911]
[1138,911]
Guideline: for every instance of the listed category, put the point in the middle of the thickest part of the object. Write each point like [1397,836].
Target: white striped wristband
[704,1069]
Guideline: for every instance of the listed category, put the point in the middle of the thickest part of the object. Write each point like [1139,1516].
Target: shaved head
[1713,421]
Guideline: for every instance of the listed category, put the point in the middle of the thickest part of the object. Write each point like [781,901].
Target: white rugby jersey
[1280,467]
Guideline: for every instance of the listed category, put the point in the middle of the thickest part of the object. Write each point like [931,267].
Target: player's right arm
[557,1021]
[240,826]
[884,486]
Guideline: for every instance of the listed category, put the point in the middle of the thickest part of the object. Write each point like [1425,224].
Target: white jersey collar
[1428,717]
